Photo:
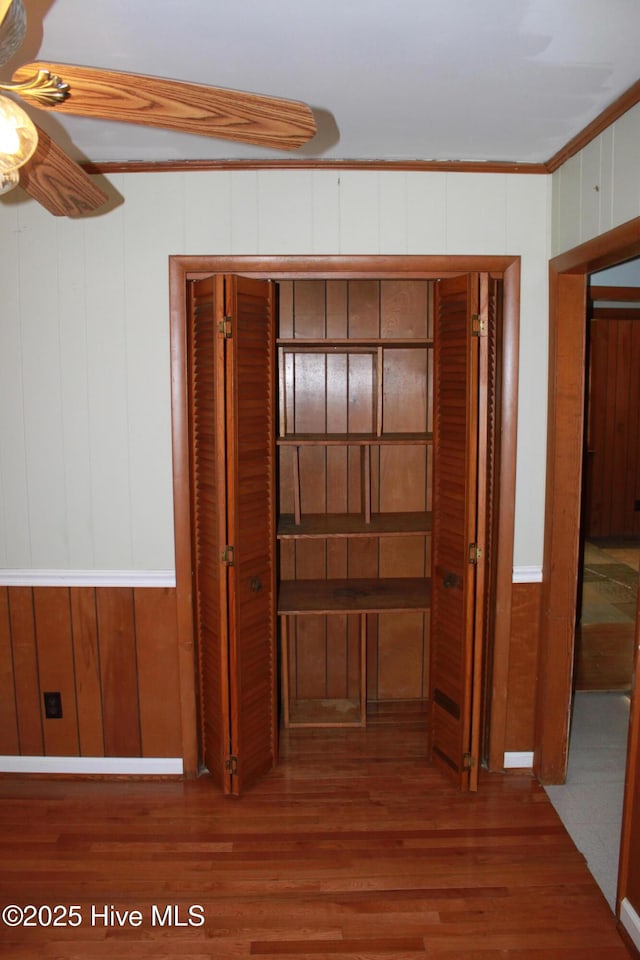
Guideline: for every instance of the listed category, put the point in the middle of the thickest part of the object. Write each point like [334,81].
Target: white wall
[85,417]
[598,188]
[623,275]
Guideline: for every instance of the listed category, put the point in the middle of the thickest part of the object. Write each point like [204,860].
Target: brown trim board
[182,268]
[608,116]
[568,288]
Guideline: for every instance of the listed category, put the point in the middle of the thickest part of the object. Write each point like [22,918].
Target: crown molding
[609,115]
[190,166]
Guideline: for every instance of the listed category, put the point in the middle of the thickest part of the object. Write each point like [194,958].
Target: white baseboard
[530,574]
[87,578]
[125,766]
[631,922]
[518,760]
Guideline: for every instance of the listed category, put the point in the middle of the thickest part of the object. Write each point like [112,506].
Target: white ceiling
[509,80]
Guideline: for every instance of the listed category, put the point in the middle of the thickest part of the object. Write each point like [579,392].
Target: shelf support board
[366,483]
[297,512]
[379,392]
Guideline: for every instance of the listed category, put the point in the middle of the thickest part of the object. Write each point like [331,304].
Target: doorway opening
[608,575]
[563,525]
[567,374]
[308,365]
[610,534]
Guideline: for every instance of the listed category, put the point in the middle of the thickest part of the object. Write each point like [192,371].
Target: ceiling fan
[56,181]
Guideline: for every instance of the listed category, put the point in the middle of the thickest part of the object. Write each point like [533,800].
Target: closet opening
[355,491]
[343,435]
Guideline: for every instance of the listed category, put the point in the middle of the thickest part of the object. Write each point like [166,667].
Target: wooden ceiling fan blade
[176,105]
[58,183]
[13,27]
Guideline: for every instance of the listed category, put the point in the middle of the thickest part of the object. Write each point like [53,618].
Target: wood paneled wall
[109,651]
[613,465]
[523,658]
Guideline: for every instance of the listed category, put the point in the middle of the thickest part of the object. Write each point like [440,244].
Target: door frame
[185,268]
[568,279]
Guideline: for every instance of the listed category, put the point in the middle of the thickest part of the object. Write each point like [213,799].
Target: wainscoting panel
[53,645]
[9,743]
[25,671]
[86,658]
[158,693]
[118,672]
[109,652]
[523,653]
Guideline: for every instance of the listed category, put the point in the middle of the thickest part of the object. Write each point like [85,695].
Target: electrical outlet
[53,705]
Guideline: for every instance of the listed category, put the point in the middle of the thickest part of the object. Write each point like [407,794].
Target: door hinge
[228,555]
[478,325]
[468,761]
[475,553]
[231,764]
[225,327]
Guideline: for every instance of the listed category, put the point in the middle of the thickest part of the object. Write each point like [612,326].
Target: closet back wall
[336,392]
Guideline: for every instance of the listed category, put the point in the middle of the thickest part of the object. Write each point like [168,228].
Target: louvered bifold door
[208,506]
[251,514]
[454,721]
[489,403]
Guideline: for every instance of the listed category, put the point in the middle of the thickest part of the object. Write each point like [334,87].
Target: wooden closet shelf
[354,596]
[353,525]
[329,345]
[353,439]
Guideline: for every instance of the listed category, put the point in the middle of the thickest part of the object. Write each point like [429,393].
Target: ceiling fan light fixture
[8,181]
[18,137]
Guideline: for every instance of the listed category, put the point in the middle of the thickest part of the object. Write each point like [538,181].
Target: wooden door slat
[250,455]
[207,441]
[455,433]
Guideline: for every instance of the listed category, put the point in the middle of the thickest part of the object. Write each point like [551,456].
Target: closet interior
[343,450]
[354,442]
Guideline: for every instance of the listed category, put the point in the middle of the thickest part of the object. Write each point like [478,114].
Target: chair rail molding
[87,578]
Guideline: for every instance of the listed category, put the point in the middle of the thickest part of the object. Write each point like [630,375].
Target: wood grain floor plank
[347,850]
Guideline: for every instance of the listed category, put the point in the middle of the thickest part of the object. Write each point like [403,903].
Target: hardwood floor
[352,847]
